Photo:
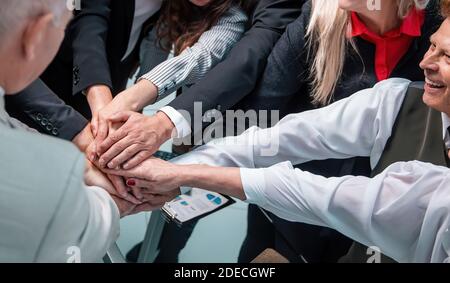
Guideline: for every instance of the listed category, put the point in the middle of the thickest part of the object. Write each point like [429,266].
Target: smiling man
[403,210]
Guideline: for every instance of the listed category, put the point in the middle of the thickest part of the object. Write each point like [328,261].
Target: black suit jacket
[95,43]
[39,108]
[234,78]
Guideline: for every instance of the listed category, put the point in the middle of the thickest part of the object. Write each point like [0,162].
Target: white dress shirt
[143,10]
[404,211]
[194,62]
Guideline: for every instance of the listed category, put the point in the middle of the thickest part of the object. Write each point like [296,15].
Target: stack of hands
[119,145]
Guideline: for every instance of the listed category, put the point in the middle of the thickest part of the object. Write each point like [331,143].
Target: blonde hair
[327,43]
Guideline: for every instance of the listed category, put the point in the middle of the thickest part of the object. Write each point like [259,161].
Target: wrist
[167,126]
[147,92]
[98,96]
[130,100]
[188,175]
[84,138]
[138,96]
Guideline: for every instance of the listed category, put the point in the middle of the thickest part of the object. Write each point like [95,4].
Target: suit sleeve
[89,32]
[39,108]
[286,69]
[236,76]
[84,226]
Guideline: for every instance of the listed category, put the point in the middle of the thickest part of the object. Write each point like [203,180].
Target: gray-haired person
[48,214]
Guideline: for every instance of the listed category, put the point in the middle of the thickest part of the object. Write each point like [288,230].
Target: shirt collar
[2,106]
[445,126]
[411,25]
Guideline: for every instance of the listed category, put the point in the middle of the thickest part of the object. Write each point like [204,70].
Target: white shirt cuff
[104,197]
[108,209]
[181,124]
[254,183]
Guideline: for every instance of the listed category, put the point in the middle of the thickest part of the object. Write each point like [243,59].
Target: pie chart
[214,199]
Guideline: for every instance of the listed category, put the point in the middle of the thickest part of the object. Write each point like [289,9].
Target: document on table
[197,204]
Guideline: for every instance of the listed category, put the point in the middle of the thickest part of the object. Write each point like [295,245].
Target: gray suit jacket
[47,213]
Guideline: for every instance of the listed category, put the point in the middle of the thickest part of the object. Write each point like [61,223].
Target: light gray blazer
[47,214]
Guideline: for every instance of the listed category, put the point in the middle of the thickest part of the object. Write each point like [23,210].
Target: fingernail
[125,166]
[102,162]
[131,183]
[111,165]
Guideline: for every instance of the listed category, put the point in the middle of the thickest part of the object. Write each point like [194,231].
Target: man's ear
[34,34]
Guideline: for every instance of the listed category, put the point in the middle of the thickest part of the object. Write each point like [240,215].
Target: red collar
[394,44]
[411,25]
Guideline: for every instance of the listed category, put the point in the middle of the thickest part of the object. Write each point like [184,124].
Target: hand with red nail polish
[131,183]
[114,185]
[154,175]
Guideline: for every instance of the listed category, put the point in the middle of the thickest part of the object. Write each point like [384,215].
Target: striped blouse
[195,61]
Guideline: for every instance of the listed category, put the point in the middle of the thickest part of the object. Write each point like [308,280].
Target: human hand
[84,139]
[156,176]
[127,208]
[151,203]
[133,99]
[114,185]
[135,141]
[160,177]
[98,97]
[119,183]
[158,200]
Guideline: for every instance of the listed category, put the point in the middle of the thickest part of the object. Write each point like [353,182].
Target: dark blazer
[92,51]
[39,108]
[234,78]
[285,86]
[285,82]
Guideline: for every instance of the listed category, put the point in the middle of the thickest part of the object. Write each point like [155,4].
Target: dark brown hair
[182,23]
[445,8]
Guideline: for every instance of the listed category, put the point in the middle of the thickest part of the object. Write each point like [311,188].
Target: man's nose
[430,63]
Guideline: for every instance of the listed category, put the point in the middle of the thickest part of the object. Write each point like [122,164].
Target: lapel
[127,8]
[3,114]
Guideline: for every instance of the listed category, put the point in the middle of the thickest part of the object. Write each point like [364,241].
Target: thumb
[94,125]
[121,117]
[102,131]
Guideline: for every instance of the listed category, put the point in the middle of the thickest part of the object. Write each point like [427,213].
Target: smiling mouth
[434,84]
